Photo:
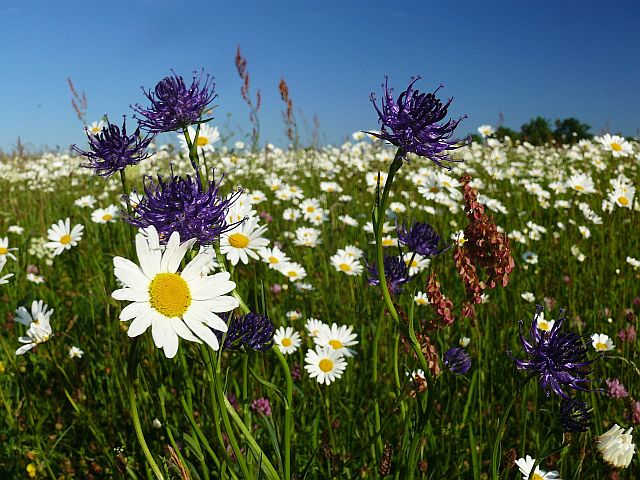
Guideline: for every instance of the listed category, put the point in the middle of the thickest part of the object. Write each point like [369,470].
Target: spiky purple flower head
[575,416]
[173,105]
[112,150]
[558,358]
[412,123]
[184,205]
[396,272]
[252,331]
[457,360]
[419,238]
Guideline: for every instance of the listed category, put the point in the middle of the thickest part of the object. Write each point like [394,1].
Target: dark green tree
[570,131]
[502,132]
[537,131]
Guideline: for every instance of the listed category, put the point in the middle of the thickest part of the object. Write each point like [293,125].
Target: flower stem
[288,413]
[138,428]
[379,213]
[376,406]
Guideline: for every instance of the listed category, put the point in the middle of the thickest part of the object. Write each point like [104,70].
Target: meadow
[323,378]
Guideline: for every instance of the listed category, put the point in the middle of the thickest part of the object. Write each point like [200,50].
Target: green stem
[379,215]
[496,443]
[138,428]
[376,405]
[288,413]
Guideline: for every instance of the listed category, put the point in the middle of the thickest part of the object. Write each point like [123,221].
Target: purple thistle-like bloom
[173,105]
[112,150]
[558,358]
[252,331]
[183,205]
[411,123]
[458,360]
[575,416]
[396,272]
[419,238]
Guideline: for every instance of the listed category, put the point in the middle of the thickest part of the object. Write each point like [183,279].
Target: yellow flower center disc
[286,342]
[65,239]
[169,294]
[238,240]
[326,365]
[336,344]
[202,141]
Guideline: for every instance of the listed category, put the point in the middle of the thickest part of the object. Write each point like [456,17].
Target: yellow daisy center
[310,209]
[65,239]
[537,476]
[434,189]
[579,188]
[616,147]
[169,294]
[292,273]
[601,346]
[446,184]
[544,326]
[336,344]
[286,342]
[326,365]
[345,267]
[4,250]
[238,240]
[387,242]
[623,201]
[202,141]
[273,260]
[421,301]
[107,217]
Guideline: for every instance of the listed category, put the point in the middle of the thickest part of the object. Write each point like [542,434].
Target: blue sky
[519,58]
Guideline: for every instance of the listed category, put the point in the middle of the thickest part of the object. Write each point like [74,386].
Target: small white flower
[287,340]
[464,342]
[528,297]
[526,465]
[156,423]
[421,299]
[616,446]
[324,364]
[601,342]
[75,352]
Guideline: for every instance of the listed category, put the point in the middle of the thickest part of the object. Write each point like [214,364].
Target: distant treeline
[540,131]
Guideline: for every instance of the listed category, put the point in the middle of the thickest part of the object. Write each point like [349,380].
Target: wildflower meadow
[411,303]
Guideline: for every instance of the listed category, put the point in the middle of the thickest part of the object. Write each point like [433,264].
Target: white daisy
[274,257]
[18,230]
[348,220]
[287,340]
[75,352]
[38,322]
[95,127]
[528,297]
[37,279]
[464,342]
[206,138]
[314,326]
[581,183]
[346,264]
[544,325]
[486,130]
[173,304]
[418,263]
[292,270]
[5,251]
[86,201]
[63,237]
[421,299]
[324,364]
[615,144]
[293,315]
[338,338]
[616,446]
[526,465]
[5,278]
[601,342]
[243,241]
[105,215]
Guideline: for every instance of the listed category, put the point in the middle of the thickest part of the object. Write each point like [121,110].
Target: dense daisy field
[233,324]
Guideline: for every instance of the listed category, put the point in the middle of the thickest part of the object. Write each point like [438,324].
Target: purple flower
[173,105]
[261,405]
[616,389]
[628,334]
[112,150]
[396,273]
[575,416]
[458,360]
[252,331]
[411,123]
[635,412]
[558,358]
[419,238]
[184,205]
